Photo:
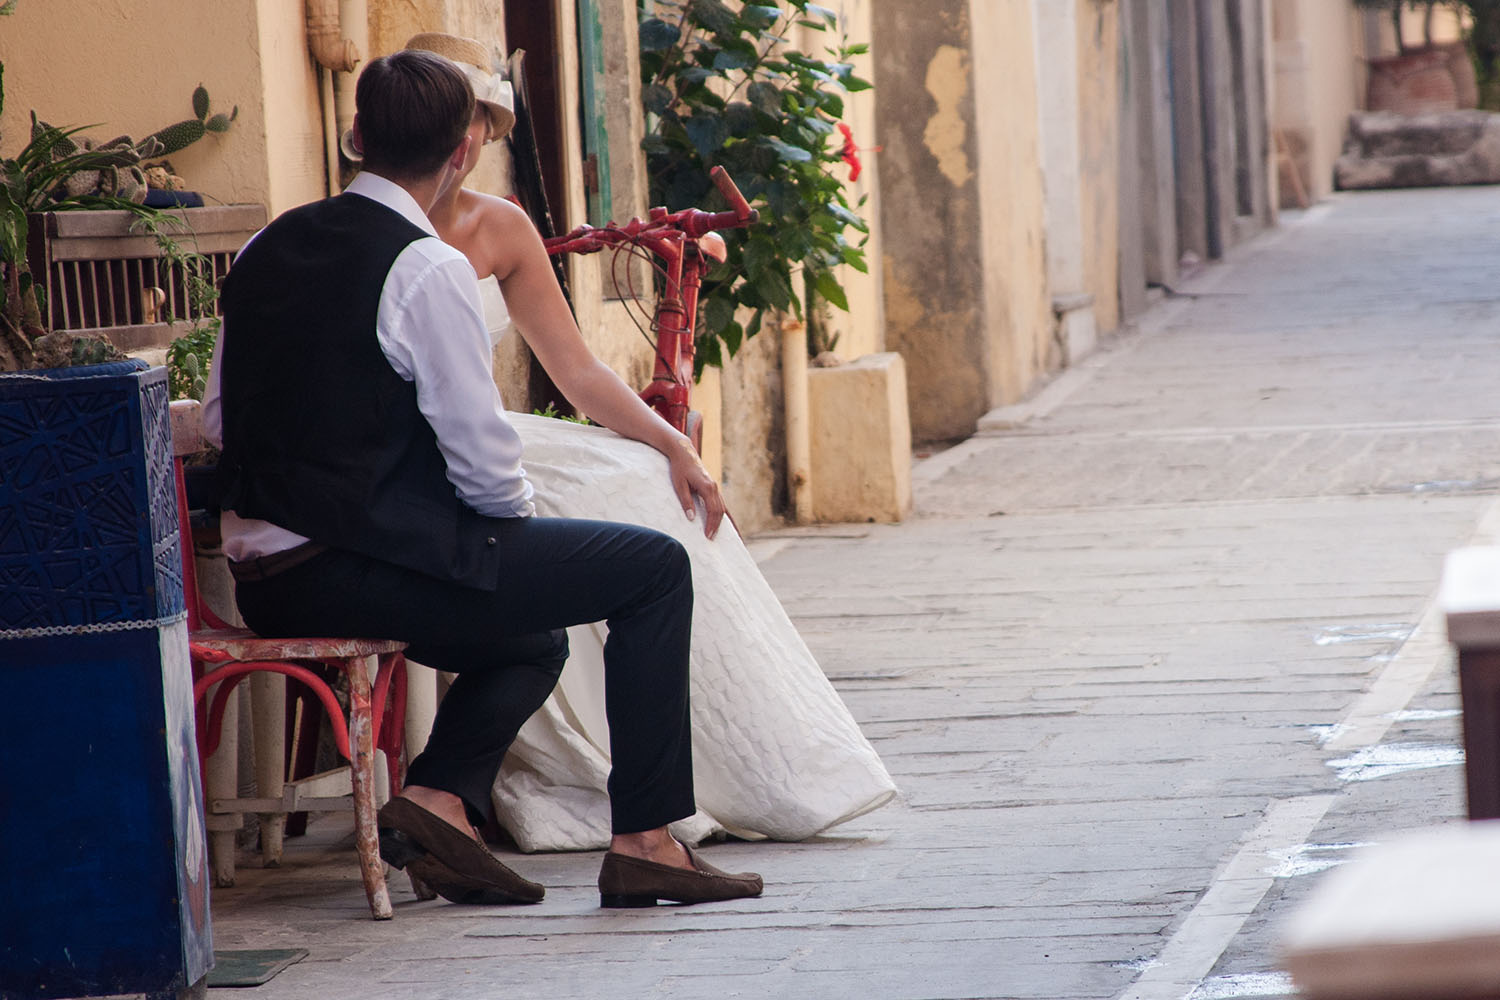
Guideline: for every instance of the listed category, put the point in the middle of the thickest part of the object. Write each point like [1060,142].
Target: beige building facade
[1032,169]
[962,206]
[144,59]
[1320,79]
[1322,56]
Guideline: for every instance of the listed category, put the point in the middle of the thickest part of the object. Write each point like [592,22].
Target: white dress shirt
[431,328]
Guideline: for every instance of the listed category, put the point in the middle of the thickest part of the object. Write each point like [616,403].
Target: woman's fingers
[713,508]
[690,480]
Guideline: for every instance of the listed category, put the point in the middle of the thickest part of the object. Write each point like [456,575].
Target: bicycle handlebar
[737,203]
[693,223]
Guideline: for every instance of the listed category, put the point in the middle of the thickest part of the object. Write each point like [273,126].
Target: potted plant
[1427,77]
[57,171]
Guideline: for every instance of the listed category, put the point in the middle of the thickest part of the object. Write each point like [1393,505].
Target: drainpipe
[354,17]
[798,433]
[334,54]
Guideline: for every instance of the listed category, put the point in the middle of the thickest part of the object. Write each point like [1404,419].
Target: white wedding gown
[776,753]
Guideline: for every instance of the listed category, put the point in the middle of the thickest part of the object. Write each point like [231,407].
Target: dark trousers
[507,648]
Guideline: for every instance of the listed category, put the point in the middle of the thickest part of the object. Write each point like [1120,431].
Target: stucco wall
[1318,81]
[295,157]
[861,330]
[1099,157]
[144,58]
[1018,312]
[753,452]
[133,71]
[930,211]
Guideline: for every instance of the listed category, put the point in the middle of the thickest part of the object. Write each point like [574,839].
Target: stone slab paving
[1106,662]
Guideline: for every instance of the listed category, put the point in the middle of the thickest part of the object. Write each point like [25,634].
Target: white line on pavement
[1237,890]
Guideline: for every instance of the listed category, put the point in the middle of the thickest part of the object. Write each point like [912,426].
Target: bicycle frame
[681,240]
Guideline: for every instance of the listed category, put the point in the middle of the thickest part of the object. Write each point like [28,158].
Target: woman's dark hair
[414,108]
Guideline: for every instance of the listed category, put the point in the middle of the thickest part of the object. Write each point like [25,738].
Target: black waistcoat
[321,436]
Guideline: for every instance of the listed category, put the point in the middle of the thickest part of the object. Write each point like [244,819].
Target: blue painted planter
[104,876]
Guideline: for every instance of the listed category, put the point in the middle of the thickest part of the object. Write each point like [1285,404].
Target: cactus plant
[111,169]
[188,131]
[59,169]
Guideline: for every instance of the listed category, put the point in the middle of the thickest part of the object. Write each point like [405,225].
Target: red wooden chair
[222,656]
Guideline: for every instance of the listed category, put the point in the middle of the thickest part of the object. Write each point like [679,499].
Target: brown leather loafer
[628,882]
[454,864]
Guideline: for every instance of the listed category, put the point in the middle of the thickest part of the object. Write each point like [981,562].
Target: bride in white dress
[775,751]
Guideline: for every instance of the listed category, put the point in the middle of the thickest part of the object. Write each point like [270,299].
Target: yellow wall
[1099,156]
[860,331]
[1017,309]
[131,68]
[1447,26]
[1318,54]
[294,158]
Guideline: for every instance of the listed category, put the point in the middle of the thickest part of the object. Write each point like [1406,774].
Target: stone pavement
[1155,649]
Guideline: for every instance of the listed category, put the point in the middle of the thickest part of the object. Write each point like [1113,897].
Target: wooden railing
[103,272]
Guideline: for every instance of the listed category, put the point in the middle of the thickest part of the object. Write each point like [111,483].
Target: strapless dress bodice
[496,312]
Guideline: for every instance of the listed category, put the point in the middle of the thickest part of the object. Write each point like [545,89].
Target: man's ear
[356,138]
[456,161]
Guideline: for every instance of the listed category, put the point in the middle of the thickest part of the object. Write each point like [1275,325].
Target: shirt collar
[392,196]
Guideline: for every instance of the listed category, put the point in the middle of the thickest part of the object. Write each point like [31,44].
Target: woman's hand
[689,480]
[514,253]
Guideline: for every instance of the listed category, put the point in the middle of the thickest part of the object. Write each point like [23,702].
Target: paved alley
[1156,648]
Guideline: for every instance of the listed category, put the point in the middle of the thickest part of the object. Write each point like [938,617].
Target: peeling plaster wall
[961,187]
[934,285]
[131,68]
[754,434]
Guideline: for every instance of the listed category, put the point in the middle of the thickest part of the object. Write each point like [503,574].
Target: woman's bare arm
[542,316]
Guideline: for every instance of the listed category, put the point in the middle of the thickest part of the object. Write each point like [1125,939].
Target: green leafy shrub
[723,87]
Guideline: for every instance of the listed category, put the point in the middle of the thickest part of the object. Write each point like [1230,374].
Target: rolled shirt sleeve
[431,329]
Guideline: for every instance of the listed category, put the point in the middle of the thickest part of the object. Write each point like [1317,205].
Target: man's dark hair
[413,109]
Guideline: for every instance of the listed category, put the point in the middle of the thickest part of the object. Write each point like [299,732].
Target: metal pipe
[334,54]
[330,129]
[354,23]
[325,37]
[798,433]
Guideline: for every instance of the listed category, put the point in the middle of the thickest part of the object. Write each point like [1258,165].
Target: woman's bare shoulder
[497,211]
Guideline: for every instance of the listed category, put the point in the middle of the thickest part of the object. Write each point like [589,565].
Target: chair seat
[368,718]
[244,645]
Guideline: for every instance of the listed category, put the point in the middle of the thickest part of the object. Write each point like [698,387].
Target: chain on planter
[93,628]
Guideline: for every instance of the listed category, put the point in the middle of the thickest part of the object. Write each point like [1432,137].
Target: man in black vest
[373,487]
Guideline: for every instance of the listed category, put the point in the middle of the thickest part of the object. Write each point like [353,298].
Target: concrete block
[1387,150]
[861,440]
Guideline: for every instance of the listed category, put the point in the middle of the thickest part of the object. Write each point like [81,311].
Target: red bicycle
[685,242]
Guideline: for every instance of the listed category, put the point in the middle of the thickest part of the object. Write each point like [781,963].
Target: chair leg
[221,781]
[268,710]
[362,776]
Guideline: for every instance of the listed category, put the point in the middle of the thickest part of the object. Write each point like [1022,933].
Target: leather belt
[265,567]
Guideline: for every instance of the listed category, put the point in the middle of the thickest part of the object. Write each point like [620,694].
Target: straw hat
[473,58]
[470,56]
